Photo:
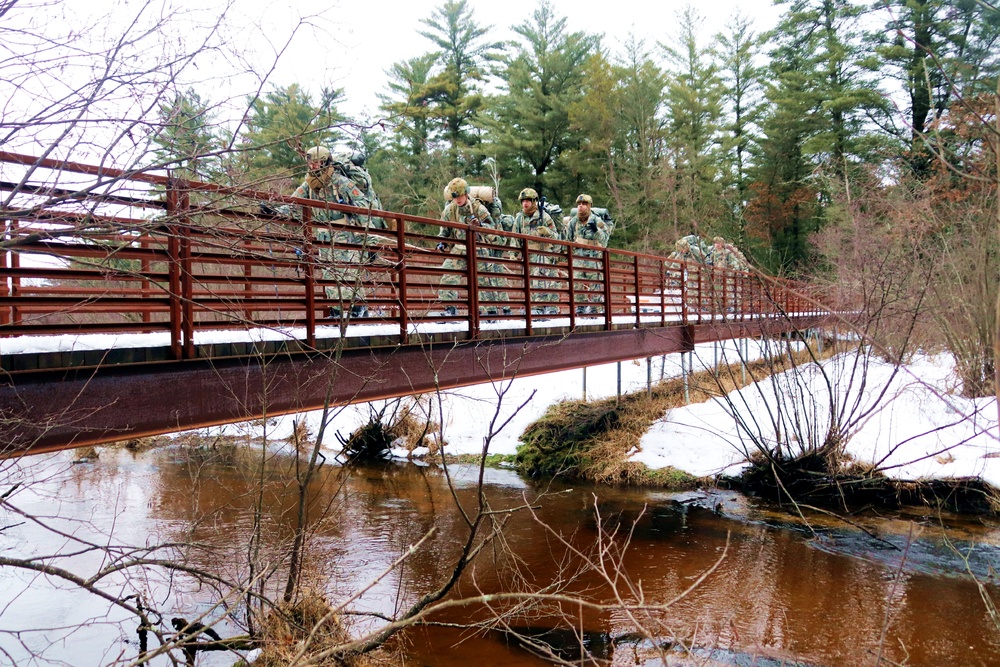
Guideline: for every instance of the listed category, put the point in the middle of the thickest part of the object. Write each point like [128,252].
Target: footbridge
[133,304]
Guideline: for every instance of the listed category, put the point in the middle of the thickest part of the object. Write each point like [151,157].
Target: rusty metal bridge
[134,304]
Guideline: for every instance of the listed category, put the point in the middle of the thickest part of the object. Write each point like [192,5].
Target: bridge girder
[44,412]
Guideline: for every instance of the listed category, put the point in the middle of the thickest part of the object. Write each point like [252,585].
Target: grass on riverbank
[593,440]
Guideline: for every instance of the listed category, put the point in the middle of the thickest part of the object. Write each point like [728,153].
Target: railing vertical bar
[526,268]
[684,293]
[187,276]
[404,297]
[572,287]
[606,262]
[472,280]
[5,290]
[308,259]
[635,285]
[174,270]
[145,267]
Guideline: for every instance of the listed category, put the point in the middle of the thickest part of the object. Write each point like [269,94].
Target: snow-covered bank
[912,426]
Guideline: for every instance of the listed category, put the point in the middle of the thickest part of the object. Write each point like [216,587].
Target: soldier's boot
[359,310]
[334,314]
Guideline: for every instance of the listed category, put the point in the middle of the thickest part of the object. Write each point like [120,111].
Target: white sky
[356,44]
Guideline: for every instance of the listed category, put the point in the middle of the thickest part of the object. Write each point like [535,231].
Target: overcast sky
[355,44]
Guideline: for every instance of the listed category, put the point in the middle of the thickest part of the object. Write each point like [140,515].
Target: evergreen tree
[187,138]
[282,125]
[453,95]
[638,151]
[820,96]
[530,121]
[694,110]
[742,95]
[937,50]
[408,105]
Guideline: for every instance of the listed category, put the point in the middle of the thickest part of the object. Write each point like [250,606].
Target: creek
[809,589]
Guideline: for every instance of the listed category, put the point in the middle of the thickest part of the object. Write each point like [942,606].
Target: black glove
[267,209]
[593,225]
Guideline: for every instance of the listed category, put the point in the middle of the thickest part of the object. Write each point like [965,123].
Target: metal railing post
[404,313]
[174,270]
[308,257]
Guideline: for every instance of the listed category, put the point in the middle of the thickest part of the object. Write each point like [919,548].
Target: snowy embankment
[912,425]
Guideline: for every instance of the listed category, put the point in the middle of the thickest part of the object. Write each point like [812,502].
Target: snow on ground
[469,414]
[918,430]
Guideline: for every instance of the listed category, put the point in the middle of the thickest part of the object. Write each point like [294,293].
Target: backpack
[601,213]
[488,197]
[361,178]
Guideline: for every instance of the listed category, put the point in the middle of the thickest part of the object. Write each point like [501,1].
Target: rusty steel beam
[64,410]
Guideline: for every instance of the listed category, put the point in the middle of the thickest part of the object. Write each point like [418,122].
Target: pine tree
[694,109]
[187,138]
[738,51]
[937,51]
[530,121]
[453,96]
[821,95]
[282,125]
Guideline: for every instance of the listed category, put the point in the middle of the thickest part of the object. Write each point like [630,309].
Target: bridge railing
[88,249]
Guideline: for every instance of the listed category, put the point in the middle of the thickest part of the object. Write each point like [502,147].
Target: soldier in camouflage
[588,229]
[533,221]
[462,209]
[324,182]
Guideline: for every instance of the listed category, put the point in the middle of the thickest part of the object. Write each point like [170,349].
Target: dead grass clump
[594,440]
[298,632]
[414,429]
[86,454]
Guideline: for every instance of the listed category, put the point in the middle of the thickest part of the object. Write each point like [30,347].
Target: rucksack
[361,178]
[601,213]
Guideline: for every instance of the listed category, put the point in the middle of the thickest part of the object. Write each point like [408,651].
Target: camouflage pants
[539,284]
[487,298]
[590,285]
[344,267]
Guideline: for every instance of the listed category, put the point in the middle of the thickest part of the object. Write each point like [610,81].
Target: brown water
[822,597]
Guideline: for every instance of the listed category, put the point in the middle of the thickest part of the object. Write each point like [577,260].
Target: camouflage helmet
[456,188]
[320,154]
[319,162]
[528,193]
[585,199]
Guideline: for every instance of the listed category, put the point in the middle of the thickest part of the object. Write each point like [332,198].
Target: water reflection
[823,594]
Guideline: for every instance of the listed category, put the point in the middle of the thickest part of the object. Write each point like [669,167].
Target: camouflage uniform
[473,213]
[593,232]
[340,264]
[539,224]
[726,285]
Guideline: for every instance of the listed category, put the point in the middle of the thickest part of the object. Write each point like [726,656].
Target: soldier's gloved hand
[593,225]
[267,209]
[441,247]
